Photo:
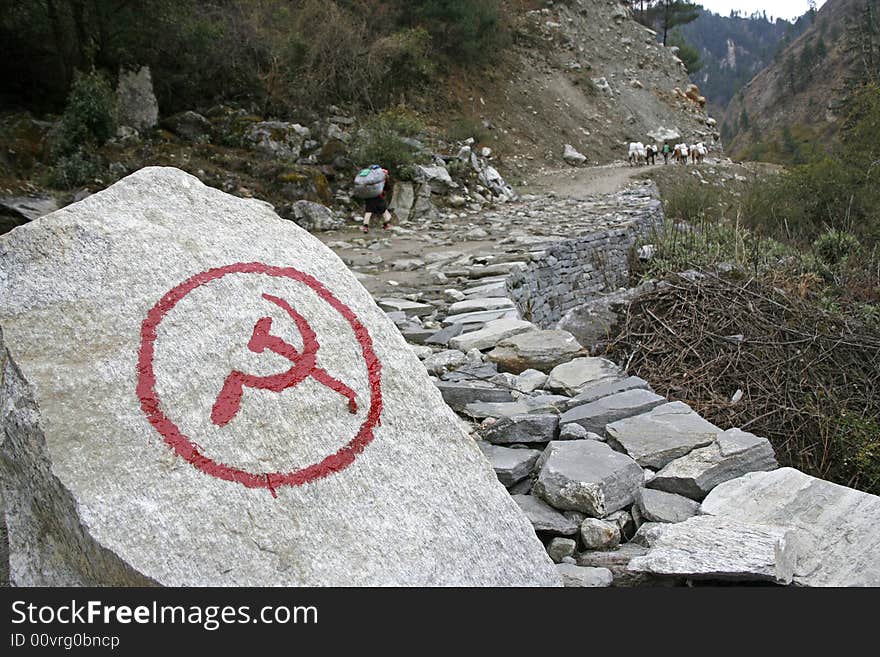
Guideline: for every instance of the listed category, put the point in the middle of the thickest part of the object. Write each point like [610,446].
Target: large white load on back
[195,392]
[369,183]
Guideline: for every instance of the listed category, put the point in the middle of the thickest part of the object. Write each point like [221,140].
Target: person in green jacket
[666,152]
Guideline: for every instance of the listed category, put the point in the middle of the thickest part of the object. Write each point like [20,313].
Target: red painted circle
[184,447]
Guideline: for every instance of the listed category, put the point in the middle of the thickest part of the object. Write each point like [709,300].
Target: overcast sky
[779,8]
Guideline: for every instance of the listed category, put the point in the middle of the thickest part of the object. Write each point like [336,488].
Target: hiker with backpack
[666,152]
[370,185]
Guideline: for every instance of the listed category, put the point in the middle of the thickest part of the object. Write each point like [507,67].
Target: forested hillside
[734,48]
[795,108]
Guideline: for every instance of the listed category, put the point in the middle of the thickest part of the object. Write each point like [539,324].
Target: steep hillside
[796,103]
[581,72]
[735,48]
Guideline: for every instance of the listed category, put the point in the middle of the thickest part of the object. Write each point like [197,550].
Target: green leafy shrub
[74,169]
[835,247]
[471,32]
[89,119]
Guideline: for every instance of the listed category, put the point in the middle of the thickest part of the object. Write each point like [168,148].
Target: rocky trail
[623,486]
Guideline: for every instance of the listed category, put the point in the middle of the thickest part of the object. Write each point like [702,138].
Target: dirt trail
[578,183]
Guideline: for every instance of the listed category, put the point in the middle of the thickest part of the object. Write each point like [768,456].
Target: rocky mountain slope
[584,72]
[733,49]
[804,92]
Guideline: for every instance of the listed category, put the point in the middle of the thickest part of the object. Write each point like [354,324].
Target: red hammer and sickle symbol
[304,366]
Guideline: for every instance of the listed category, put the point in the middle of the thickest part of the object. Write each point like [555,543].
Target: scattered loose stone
[587,476]
[459,394]
[584,577]
[530,380]
[733,454]
[411,308]
[444,361]
[545,518]
[542,405]
[491,334]
[617,561]
[599,535]
[539,350]
[560,548]
[518,429]
[444,335]
[596,415]
[709,547]
[511,465]
[593,392]
[476,305]
[573,432]
[657,506]
[661,435]
[570,378]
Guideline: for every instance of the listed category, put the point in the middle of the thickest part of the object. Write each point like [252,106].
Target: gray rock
[624,522]
[599,535]
[476,305]
[584,577]
[596,415]
[708,547]
[411,308]
[591,393]
[836,526]
[733,454]
[482,316]
[444,335]
[572,157]
[530,380]
[573,432]
[617,561]
[543,517]
[510,465]
[657,506]
[516,429]
[524,405]
[560,548]
[587,476]
[570,378]
[136,104]
[315,217]
[119,466]
[491,334]
[595,321]
[537,350]
[402,201]
[28,208]
[277,139]
[460,394]
[444,361]
[190,126]
[661,435]
[436,176]
[473,371]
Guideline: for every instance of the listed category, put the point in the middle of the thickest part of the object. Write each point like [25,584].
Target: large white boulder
[196,392]
[836,526]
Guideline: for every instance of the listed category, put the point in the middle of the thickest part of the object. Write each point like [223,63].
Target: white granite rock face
[706,547]
[196,392]
[838,528]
